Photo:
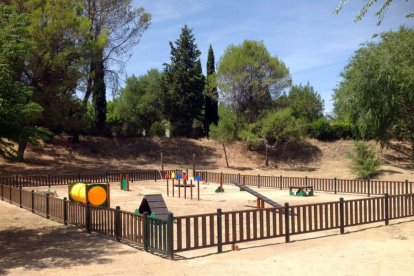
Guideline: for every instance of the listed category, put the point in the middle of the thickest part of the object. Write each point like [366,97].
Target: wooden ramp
[256,194]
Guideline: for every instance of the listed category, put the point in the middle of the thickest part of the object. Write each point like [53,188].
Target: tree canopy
[140,101]
[377,90]
[183,84]
[380,14]
[249,78]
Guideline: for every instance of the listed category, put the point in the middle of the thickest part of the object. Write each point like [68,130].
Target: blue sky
[313,42]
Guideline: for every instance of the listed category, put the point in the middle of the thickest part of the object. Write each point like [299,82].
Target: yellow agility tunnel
[96,194]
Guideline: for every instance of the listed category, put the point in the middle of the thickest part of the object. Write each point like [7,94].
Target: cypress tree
[211,93]
[183,84]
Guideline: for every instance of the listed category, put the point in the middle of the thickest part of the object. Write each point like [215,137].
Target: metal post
[287,234]
[219,232]
[341,215]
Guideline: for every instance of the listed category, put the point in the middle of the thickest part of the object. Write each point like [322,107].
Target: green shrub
[157,129]
[364,162]
[325,130]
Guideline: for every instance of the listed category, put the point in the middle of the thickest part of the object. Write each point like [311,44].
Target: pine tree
[183,84]
[211,93]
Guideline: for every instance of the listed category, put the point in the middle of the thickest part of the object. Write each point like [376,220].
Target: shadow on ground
[51,247]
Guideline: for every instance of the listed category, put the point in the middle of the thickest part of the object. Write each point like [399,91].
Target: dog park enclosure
[215,229]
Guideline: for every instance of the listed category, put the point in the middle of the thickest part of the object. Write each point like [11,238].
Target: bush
[364,162]
[157,129]
[324,130]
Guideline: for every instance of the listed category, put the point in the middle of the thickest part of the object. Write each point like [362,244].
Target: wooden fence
[66,179]
[369,187]
[151,234]
[222,228]
[219,228]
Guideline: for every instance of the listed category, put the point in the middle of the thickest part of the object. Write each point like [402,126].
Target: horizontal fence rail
[66,179]
[369,187]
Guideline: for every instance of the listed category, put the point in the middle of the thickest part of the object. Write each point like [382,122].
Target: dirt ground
[231,200]
[31,245]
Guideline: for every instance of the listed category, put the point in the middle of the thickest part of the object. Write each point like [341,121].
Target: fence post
[258,181]
[170,236]
[386,209]
[106,177]
[306,181]
[47,206]
[341,215]
[20,198]
[281,179]
[146,238]
[287,234]
[10,193]
[118,225]
[32,201]
[219,232]
[369,187]
[406,187]
[79,177]
[17,181]
[335,188]
[88,217]
[238,178]
[48,180]
[65,211]
[1,188]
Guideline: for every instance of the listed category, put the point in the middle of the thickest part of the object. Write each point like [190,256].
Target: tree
[377,90]
[305,102]
[183,84]
[249,78]
[210,93]
[140,101]
[380,13]
[364,162]
[225,131]
[17,110]
[115,26]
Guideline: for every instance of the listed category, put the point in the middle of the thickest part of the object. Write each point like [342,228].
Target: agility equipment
[185,185]
[124,181]
[301,190]
[96,194]
[154,205]
[261,199]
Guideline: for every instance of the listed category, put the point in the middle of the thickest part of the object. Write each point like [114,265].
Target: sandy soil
[231,200]
[31,245]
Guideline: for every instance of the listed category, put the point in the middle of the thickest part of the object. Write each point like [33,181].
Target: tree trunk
[21,150]
[225,155]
